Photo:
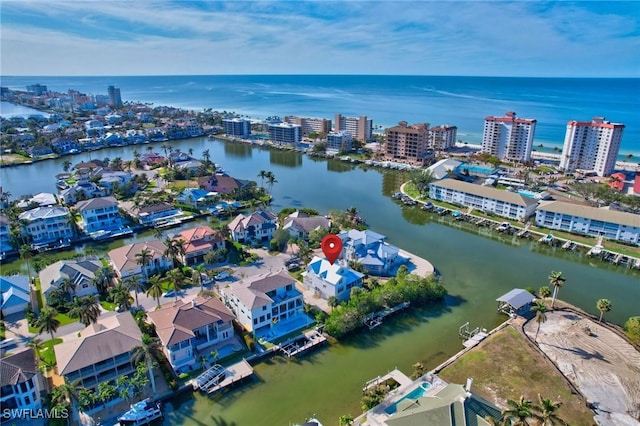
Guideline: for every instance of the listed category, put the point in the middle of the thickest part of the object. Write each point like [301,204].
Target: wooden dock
[375,319]
[307,341]
[234,374]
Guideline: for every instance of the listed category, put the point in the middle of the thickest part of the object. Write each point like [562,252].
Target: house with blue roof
[371,250]
[195,197]
[326,279]
[14,294]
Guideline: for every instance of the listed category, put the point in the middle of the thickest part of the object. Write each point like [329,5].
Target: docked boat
[141,413]
[504,226]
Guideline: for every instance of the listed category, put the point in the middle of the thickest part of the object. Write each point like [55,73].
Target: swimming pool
[527,193]
[475,169]
[414,395]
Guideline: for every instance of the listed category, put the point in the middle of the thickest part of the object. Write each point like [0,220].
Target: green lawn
[108,306]
[47,353]
[65,319]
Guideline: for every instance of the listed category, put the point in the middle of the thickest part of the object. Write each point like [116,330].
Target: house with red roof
[222,184]
[198,242]
[617,181]
[636,184]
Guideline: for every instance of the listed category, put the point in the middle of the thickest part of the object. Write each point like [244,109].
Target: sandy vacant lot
[604,367]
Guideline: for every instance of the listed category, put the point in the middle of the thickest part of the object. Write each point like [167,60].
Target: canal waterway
[475,269]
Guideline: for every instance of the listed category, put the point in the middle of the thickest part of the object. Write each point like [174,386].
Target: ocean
[459,101]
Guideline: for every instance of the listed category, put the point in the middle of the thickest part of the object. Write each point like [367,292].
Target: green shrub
[632,329]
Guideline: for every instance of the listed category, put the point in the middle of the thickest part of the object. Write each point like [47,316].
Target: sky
[496,38]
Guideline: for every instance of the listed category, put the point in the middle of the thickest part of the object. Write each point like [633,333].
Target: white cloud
[463,38]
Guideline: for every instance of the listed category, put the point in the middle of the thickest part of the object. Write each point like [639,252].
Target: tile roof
[78,271]
[44,213]
[111,336]
[252,290]
[124,258]
[175,322]
[18,368]
[242,222]
[306,224]
[200,238]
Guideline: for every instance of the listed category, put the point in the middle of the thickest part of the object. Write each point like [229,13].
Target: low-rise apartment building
[285,133]
[611,224]
[510,205]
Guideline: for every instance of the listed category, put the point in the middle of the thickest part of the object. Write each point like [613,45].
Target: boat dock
[395,374]
[209,378]
[219,377]
[303,343]
[471,337]
[375,319]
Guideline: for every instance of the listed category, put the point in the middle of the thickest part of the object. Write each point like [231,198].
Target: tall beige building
[442,137]
[361,128]
[407,142]
[310,125]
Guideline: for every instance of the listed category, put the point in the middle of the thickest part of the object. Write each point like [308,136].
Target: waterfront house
[257,226]
[612,224]
[94,129]
[47,225]
[125,263]
[221,183]
[101,352]
[5,235]
[510,205]
[80,274]
[39,151]
[100,214]
[186,329]
[21,383]
[299,224]
[42,199]
[198,242]
[152,214]
[195,197]
[82,191]
[188,166]
[261,301]
[327,280]
[109,179]
[14,294]
[445,405]
[370,250]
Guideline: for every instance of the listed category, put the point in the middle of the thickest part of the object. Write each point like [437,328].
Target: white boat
[141,413]
[504,226]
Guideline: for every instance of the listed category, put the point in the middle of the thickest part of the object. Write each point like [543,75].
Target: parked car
[222,275]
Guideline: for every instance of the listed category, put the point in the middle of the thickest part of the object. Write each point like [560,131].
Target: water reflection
[238,150]
[285,158]
[339,166]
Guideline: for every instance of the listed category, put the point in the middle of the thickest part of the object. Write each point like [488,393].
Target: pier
[219,377]
[301,344]
[375,319]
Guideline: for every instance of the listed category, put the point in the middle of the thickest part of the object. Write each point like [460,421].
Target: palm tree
[66,394]
[149,351]
[541,315]
[47,321]
[332,301]
[271,179]
[548,412]
[66,166]
[144,258]
[120,296]
[521,412]
[175,249]
[178,279]
[131,283]
[35,344]
[206,156]
[155,288]
[26,255]
[556,280]
[352,212]
[196,276]
[104,278]
[603,305]
[262,175]
[86,309]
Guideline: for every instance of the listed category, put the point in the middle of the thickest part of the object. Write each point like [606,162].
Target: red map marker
[331,247]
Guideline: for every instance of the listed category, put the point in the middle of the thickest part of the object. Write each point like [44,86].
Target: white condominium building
[361,128]
[508,137]
[236,127]
[591,145]
[285,133]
